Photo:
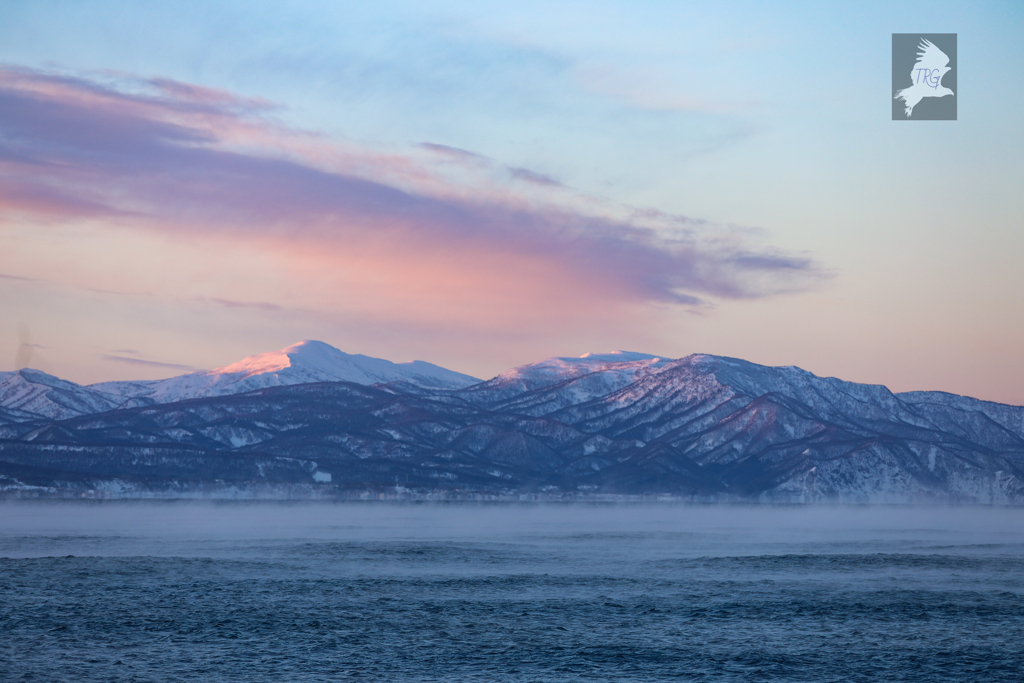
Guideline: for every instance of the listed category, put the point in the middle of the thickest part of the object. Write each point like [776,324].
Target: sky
[186,184]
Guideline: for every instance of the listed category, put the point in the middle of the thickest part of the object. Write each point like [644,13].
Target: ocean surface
[132,591]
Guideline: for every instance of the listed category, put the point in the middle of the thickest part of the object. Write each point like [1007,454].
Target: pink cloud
[374,230]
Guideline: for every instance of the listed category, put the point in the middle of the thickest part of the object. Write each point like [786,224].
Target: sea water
[129,591]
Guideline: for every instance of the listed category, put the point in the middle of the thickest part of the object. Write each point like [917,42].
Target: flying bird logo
[926,76]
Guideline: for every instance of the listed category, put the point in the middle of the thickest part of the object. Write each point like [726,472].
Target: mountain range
[312,421]
[31,393]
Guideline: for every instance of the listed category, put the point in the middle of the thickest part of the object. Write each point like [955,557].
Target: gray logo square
[924,76]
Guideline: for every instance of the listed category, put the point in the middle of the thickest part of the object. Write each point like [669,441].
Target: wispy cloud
[479,161]
[533,177]
[147,363]
[260,305]
[176,158]
[454,152]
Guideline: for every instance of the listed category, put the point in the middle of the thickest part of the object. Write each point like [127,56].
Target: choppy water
[321,592]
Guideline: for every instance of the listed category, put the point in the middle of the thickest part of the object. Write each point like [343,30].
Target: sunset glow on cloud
[347,232]
[481,188]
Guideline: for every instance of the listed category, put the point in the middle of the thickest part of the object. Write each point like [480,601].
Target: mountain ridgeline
[312,421]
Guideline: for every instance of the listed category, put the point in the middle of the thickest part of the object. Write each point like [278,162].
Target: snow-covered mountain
[615,367]
[703,426]
[559,382]
[28,394]
[301,363]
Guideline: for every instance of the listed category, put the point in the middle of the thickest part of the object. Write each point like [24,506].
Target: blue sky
[739,156]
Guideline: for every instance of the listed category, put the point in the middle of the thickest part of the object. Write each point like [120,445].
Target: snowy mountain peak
[308,353]
[564,367]
[301,363]
[605,370]
[33,376]
[311,358]
[619,357]
[36,393]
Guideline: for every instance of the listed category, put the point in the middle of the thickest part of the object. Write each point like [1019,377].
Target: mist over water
[314,591]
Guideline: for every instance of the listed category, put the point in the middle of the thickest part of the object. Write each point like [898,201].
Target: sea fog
[467,591]
[648,531]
